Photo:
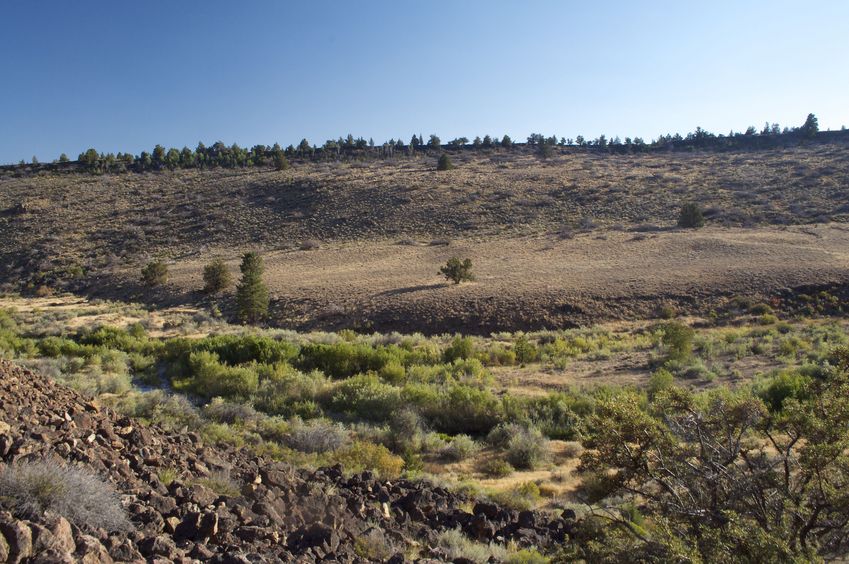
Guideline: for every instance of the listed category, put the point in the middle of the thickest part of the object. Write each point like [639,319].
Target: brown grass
[553,243]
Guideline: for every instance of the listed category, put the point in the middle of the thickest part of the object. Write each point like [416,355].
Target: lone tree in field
[155,273]
[691,216]
[457,271]
[216,277]
[251,292]
[810,127]
[444,163]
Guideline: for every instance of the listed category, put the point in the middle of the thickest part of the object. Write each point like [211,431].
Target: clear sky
[124,76]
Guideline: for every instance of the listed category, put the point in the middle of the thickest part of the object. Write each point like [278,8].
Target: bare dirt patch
[539,282]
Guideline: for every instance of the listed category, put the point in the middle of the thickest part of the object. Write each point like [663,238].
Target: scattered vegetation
[397,404]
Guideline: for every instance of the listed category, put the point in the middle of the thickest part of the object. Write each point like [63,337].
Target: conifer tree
[251,292]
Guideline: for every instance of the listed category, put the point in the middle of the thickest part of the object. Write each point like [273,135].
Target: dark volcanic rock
[281,513]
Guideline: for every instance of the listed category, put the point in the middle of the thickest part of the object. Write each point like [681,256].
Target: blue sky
[122,76]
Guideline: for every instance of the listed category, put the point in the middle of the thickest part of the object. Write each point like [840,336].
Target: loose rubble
[280,514]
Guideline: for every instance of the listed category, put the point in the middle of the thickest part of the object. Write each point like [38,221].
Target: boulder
[19,538]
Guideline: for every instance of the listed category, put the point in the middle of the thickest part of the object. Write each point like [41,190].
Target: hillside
[364,240]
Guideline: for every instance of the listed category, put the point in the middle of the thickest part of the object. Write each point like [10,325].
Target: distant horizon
[123,78]
[444,141]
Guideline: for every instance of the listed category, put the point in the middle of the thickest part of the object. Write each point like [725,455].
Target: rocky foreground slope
[277,513]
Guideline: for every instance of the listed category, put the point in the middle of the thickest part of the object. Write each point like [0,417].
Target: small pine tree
[810,127]
[155,273]
[457,271]
[216,277]
[63,158]
[251,293]
[280,160]
[444,163]
[691,216]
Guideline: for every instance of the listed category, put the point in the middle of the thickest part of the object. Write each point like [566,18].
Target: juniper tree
[444,163]
[691,216]
[155,273]
[251,292]
[216,277]
[810,127]
[457,271]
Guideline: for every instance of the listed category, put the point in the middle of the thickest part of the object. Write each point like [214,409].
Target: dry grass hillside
[553,241]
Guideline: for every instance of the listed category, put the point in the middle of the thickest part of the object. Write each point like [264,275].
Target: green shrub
[760,309]
[691,216]
[557,415]
[375,546]
[210,378]
[499,437]
[660,380]
[170,411]
[133,339]
[457,271]
[393,372]
[341,360]
[460,348]
[460,448]
[229,413]
[444,163]
[666,311]
[317,436]
[242,349]
[457,547]
[155,273]
[366,397]
[28,489]
[407,430]
[7,323]
[527,449]
[782,386]
[285,391]
[520,497]
[496,468]
[527,556]
[465,409]
[369,456]
[768,319]
[216,277]
[678,341]
[525,350]
[54,347]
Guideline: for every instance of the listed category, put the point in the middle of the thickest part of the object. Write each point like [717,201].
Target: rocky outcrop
[269,511]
